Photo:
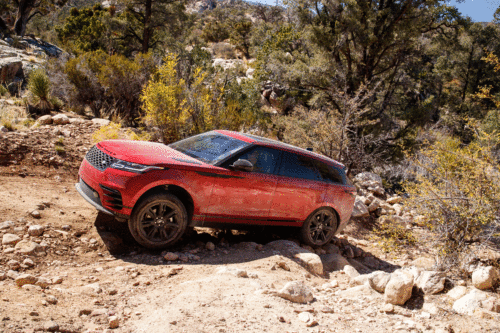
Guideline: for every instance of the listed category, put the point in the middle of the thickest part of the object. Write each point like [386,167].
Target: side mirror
[242,165]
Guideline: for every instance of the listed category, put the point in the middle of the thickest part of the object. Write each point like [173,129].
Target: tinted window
[329,173]
[209,147]
[298,166]
[264,159]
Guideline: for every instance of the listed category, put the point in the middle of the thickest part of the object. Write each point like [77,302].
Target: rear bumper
[84,191]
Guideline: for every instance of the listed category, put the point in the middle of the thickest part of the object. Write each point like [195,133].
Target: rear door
[241,195]
[300,189]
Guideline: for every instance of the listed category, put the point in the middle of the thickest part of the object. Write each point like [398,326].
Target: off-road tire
[158,221]
[319,227]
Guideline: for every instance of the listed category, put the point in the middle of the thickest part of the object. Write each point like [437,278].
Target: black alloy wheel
[159,221]
[319,227]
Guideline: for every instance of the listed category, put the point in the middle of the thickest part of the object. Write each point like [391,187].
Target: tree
[27,9]
[144,19]
[240,36]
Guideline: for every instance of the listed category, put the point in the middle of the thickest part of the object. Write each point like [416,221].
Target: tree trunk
[146,34]
[23,16]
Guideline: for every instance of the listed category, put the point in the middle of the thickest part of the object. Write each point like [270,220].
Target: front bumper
[91,196]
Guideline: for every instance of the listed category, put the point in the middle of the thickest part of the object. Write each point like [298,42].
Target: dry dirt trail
[220,282]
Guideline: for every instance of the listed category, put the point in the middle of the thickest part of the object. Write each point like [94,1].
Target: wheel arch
[181,193]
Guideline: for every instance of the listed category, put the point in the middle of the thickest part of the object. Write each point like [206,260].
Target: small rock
[57,280]
[297,292]
[60,119]
[351,272]
[388,308]
[491,304]
[305,317]
[457,292]
[210,246]
[12,274]
[45,120]
[36,214]
[378,280]
[51,326]
[35,230]
[113,322]
[94,288]
[13,264]
[312,262]
[51,299]
[233,271]
[28,262]
[484,277]
[6,225]
[43,282]
[27,247]
[10,239]
[170,256]
[23,279]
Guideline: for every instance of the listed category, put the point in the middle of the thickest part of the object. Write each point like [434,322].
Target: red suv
[216,179]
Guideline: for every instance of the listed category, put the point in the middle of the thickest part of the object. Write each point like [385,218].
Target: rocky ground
[66,268]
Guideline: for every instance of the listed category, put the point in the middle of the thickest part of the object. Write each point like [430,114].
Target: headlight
[133,167]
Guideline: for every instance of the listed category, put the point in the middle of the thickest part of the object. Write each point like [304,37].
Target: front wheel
[158,221]
[319,227]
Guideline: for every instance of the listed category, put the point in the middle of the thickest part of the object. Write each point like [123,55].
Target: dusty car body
[216,178]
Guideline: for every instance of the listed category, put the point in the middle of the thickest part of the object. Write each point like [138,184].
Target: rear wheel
[319,227]
[158,221]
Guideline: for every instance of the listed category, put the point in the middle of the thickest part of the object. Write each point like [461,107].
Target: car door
[300,189]
[245,196]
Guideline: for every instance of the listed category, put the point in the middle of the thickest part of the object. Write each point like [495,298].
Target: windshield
[210,147]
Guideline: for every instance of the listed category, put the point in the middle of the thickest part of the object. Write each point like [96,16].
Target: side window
[329,173]
[298,166]
[264,159]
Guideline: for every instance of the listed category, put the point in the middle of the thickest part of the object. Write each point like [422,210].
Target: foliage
[180,107]
[84,30]
[109,84]
[393,235]
[240,36]
[223,50]
[3,90]
[457,189]
[215,31]
[114,131]
[8,125]
[39,88]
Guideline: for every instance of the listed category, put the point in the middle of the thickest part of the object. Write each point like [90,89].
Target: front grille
[112,197]
[99,159]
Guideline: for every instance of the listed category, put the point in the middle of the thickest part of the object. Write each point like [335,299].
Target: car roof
[255,139]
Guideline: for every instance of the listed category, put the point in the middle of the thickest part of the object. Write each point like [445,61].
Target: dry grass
[12,115]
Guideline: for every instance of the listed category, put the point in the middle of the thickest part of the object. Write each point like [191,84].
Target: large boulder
[430,282]
[398,289]
[60,119]
[10,239]
[309,260]
[360,209]
[297,292]
[9,68]
[470,302]
[378,280]
[484,277]
[23,279]
[27,247]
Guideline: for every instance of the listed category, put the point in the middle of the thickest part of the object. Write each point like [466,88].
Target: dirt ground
[91,289]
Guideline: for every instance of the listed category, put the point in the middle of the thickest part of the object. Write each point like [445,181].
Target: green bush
[215,32]
[39,88]
[3,90]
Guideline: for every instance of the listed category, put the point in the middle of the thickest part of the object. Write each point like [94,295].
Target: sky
[477,10]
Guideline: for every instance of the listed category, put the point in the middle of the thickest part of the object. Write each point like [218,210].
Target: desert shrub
[240,36]
[3,90]
[215,32]
[457,190]
[392,235]
[180,108]
[8,125]
[114,131]
[109,85]
[39,88]
[223,50]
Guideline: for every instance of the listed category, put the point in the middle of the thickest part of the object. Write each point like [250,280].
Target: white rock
[297,292]
[10,239]
[6,225]
[394,200]
[23,279]
[93,288]
[312,262]
[470,302]
[27,247]
[484,277]
[374,205]
[378,280]
[351,272]
[366,177]
[233,271]
[358,292]
[36,230]
[45,120]
[101,122]
[398,289]
[431,282]
[360,209]
[60,119]
[334,262]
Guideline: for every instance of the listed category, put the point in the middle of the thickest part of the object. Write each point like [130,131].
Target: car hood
[144,152]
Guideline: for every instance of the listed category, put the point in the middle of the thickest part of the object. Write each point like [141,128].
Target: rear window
[330,173]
